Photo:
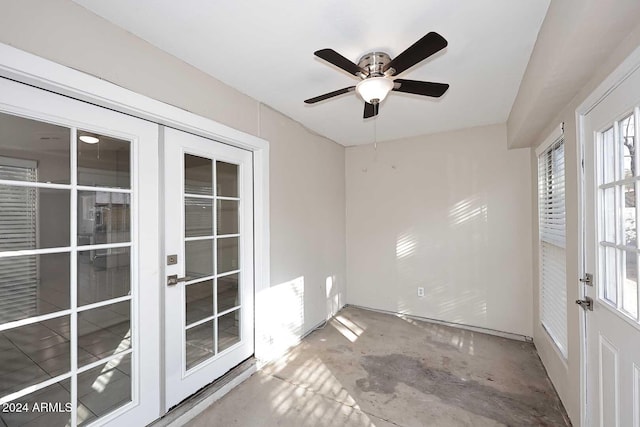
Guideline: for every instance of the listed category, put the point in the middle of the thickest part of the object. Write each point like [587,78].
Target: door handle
[174,279]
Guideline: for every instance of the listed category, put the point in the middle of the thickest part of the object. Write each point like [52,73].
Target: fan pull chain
[375,139]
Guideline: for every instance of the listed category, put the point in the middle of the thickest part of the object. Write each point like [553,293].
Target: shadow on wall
[280,314]
[445,264]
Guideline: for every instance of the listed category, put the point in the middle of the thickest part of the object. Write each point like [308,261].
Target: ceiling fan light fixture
[88,139]
[374,89]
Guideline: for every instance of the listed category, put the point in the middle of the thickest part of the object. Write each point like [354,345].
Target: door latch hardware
[174,279]
[172,259]
[587,279]
[586,303]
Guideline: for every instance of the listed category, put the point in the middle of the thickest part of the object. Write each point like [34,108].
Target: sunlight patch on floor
[347,328]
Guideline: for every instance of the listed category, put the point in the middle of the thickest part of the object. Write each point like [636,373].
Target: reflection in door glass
[228,330]
[609,214]
[628,142]
[103,217]
[199,344]
[198,217]
[228,292]
[103,274]
[199,300]
[629,214]
[199,258]
[104,388]
[608,274]
[25,228]
[34,151]
[630,284]
[227,217]
[103,161]
[32,285]
[608,157]
[104,331]
[34,353]
[227,178]
[198,175]
[228,254]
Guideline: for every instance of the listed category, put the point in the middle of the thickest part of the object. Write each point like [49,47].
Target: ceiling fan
[376,69]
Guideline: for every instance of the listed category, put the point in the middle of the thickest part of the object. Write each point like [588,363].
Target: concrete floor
[372,369]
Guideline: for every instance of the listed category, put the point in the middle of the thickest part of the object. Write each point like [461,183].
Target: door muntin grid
[618,185]
[69,340]
[212,246]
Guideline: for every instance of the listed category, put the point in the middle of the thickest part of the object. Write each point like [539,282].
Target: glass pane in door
[198,217]
[227,177]
[198,175]
[33,285]
[199,343]
[103,161]
[228,292]
[35,151]
[199,300]
[212,257]
[229,330]
[33,353]
[104,388]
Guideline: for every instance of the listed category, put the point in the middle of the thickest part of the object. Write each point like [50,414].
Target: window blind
[552,226]
[18,275]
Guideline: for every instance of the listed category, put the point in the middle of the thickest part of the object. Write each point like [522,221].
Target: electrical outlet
[420,291]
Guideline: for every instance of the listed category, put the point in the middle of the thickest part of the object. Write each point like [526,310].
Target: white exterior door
[78,284]
[209,251]
[612,182]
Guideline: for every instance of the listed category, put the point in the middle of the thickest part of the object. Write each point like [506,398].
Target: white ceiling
[265,50]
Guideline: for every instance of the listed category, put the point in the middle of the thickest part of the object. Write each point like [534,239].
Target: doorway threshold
[189,408]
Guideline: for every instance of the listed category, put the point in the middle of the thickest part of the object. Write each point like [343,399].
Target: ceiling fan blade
[419,51]
[370,110]
[330,95]
[420,88]
[339,61]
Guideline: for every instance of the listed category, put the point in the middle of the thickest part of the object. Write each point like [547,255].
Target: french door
[209,257]
[612,182]
[78,284]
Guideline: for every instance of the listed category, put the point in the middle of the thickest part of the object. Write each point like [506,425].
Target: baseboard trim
[503,334]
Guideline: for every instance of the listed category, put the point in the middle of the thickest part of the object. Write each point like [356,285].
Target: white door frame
[620,74]
[33,70]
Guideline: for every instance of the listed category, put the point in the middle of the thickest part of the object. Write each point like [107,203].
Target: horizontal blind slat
[552,238]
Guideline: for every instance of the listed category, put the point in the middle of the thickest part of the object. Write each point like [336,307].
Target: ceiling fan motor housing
[374,63]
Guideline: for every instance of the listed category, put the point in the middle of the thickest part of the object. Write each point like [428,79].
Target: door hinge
[587,279]
[586,303]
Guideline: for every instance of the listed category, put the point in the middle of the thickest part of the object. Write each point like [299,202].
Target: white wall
[306,171]
[307,192]
[565,374]
[451,213]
